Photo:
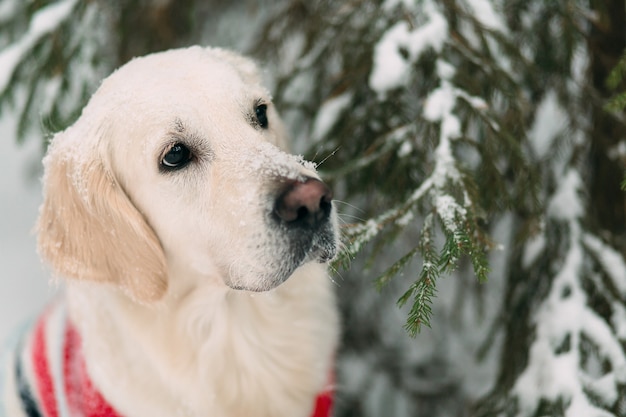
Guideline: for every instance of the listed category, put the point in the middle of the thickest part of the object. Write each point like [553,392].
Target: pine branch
[422,291]
[52,65]
[616,77]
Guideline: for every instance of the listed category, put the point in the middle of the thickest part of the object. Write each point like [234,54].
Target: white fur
[151,257]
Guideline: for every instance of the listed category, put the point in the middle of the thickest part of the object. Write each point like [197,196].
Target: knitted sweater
[44,374]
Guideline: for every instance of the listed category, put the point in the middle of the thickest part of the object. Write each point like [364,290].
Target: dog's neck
[210,350]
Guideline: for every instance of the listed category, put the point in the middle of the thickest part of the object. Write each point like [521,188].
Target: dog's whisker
[345,203]
[333,280]
[328,156]
[342,216]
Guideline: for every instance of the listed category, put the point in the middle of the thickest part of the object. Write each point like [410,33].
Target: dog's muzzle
[303,214]
[300,228]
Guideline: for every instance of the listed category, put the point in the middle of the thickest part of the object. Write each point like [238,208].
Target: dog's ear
[89,229]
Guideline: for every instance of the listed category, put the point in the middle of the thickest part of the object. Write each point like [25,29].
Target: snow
[451,127]
[550,119]
[440,102]
[310,165]
[449,211]
[599,331]
[477,103]
[438,107]
[50,94]
[565,315]
[445,168]
[483,11]
[445,70]
[552,374]
[603,388]
[618,151]
[618,320]
[329,113]
[368,231]
[422,190]
[405,149]
[611,261]
[394,54]
[389,5]
[432,35]
[565,204]
[405,220]
[43,22]
[48,18]
[549,375]
[390,68]
[264,158]
[532,249]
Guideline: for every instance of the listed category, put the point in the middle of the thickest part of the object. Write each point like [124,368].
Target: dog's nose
[305,202]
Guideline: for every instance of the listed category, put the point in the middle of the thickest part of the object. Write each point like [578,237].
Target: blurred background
[477,151]
[24,283]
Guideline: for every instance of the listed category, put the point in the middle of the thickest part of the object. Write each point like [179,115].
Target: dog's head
[177,167]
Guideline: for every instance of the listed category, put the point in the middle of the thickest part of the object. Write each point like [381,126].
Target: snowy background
[24,284]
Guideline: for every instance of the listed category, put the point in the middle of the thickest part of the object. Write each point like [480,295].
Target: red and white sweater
[45,375]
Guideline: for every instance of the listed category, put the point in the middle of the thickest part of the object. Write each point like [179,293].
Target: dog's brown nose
[304,202]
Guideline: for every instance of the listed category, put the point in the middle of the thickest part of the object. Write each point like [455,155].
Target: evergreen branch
[44,21]
[616,103]
[616,76]
[382,146]
[455,245]
[423,290]
[480,264]
[53,64]
[363,233]
[396,268]
[478,241]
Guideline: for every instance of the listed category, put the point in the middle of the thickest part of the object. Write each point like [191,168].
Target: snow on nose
[264,160]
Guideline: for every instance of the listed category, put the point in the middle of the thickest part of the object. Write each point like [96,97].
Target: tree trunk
[607,203]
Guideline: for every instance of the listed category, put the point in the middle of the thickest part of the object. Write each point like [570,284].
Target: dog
[193,249]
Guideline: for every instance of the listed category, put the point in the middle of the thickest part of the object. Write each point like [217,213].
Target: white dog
[193,251]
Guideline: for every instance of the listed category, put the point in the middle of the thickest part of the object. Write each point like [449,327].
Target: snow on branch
[50,70]
[432,133]
[43,22]
[564,324]
[456,216]
[391,68]
[576,357]
[611,261]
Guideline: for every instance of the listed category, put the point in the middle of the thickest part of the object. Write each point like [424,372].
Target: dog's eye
[261,115]
[178,156]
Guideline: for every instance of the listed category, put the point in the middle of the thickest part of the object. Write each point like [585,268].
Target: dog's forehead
[197,85]
[169,78]
[182,77]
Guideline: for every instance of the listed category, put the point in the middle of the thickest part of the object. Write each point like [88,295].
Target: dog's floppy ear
[88,228]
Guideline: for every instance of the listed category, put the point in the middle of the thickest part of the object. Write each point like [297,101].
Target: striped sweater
[43,374]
